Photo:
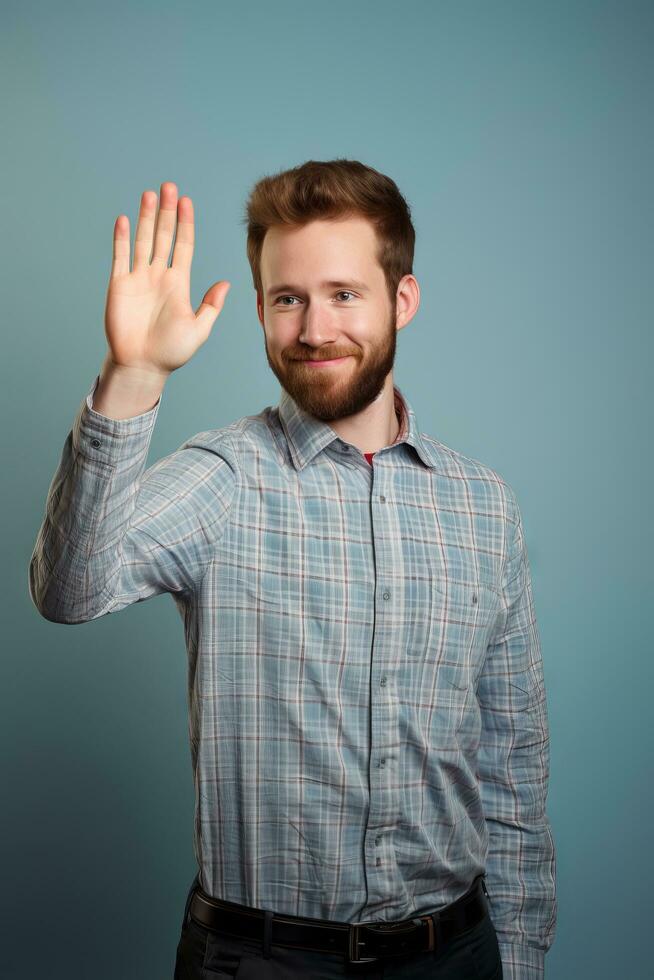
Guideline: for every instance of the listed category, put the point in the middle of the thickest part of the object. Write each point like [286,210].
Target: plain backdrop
[521,135]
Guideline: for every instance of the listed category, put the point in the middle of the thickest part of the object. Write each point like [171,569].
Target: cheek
[279,338]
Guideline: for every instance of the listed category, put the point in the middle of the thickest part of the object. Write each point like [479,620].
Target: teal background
[521,135]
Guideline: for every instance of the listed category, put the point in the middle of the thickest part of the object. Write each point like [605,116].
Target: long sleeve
[514,773]
[115,533]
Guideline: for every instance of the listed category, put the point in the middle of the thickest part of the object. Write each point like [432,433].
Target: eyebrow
[331,283]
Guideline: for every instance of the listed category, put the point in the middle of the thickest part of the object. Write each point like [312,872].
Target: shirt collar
[307,435]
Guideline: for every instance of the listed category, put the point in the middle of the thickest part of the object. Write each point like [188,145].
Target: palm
[149,320]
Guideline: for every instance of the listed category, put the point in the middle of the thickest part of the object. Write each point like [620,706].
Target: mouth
[324,363]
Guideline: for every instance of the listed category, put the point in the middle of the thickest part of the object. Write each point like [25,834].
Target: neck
[376,427]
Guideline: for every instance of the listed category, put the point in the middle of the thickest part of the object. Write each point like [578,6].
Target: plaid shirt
[367,710]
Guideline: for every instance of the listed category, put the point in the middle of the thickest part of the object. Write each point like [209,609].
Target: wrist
[124,391]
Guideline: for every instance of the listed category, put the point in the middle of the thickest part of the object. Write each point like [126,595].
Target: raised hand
[149,322]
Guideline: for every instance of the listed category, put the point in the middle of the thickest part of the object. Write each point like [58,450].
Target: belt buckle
[353,944]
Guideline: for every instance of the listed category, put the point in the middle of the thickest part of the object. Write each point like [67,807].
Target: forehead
[329,248]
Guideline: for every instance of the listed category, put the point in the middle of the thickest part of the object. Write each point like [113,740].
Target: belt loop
[267,933]
[429,920]
[194,885]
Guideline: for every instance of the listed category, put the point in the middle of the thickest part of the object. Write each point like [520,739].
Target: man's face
[325,297]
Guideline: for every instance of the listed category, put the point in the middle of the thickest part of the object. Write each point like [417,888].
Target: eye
[280,299]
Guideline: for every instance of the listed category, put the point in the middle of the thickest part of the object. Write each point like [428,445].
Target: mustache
[331,356]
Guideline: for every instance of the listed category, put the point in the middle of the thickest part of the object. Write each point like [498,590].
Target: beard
[339,390]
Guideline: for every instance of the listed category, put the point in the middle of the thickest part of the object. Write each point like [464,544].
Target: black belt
[361,942]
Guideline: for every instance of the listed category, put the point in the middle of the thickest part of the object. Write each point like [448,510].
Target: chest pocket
[463,618]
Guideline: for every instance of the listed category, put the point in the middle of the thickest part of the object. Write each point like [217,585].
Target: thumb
[210,307]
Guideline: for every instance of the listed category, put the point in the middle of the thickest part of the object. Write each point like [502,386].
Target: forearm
[520,877]
[88,508]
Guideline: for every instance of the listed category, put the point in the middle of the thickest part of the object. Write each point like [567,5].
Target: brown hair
[333,189]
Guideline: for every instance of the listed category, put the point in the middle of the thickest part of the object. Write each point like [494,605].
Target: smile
[319,364]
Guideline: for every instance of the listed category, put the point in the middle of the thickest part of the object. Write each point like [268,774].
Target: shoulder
[473,476]
[236,442]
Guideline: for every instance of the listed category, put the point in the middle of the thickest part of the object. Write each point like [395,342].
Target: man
[367,708]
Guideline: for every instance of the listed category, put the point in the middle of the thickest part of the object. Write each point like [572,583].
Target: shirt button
[95,443]
[345,449]
[383,682]
[382,498]
[474,598]
[386,595]
[378,840]
[382,762]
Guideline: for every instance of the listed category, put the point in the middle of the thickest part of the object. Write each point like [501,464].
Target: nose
[316,329]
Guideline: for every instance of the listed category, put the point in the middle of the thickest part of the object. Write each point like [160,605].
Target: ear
[259,307]
[407,300]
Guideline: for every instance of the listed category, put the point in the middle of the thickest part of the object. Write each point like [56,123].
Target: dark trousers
[206,955]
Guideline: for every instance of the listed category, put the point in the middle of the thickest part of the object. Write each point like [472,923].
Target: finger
[144,229]
[166,220]
[120,259]
[210,307]
[183,250]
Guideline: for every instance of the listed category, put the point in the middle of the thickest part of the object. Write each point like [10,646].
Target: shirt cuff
[522,962]
[108,440]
